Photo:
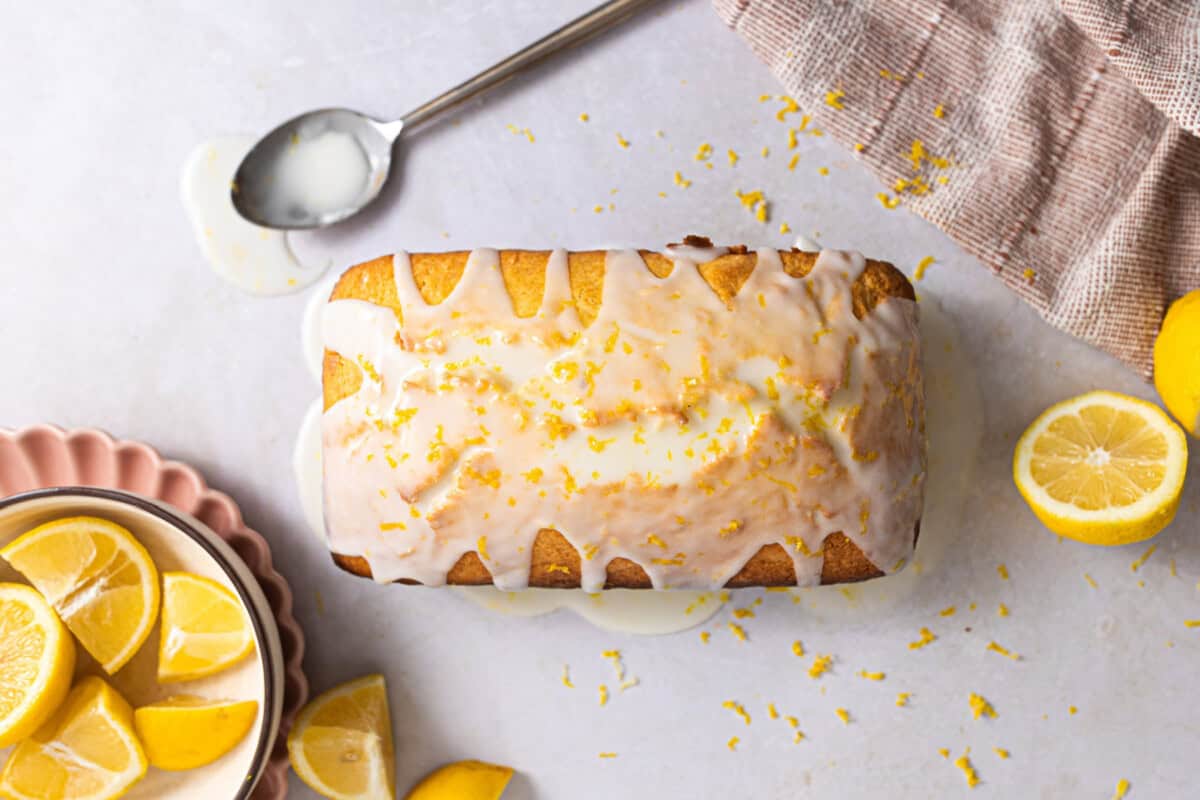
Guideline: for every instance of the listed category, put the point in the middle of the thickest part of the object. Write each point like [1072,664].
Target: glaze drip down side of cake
[694,418]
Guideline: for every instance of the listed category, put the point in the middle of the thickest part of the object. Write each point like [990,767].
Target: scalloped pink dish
[46,472]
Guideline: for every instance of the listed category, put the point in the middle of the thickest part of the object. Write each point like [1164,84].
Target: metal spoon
[257,188]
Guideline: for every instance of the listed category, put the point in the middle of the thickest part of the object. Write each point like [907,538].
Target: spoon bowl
[314,170]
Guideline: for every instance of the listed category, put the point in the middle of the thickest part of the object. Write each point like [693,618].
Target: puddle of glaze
[954,412]
[256,260]
[306,466]
[311,342]
[642,612]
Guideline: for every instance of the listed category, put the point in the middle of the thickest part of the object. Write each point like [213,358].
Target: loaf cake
[693,418]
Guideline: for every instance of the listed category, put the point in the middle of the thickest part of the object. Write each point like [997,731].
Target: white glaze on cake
[674,431]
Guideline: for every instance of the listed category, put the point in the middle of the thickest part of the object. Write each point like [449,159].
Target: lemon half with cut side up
[1177,361]
[1102,468]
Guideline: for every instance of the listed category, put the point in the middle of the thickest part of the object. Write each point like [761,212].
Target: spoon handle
[595,21]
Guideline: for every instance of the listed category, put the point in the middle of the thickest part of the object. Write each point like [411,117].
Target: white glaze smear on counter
[674,431]
[256,260]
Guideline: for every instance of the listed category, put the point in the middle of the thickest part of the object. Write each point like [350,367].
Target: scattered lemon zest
[771,711]
[944,752]
[1001,752]
[887,201]
[798,648]
[822,170]
[481,548]
[1143,558]
[603,695]
[947,612]
[738,709]
[1122,789]
[995,648]
[820,666]
[1002,610]
[922,265]
[902,699]
[871,676]
[584,117]
[737,631]
[733,158]
[732,743]
[789,107]
[608,755]
[834,98]
[981,707]
[1091,581]
[927,637]
[705,636]
[843,715]
[1191,623]
[1002,571]
[681,181]
[622,142]
[939,111]
[968,770]
[566,677]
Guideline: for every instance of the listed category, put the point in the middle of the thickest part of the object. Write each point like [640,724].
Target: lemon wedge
[1102,468]
[463,780]
[37,659]
[204,628]
[1177,361]
[86,751]
[341,744]
[98,578]
[186,732]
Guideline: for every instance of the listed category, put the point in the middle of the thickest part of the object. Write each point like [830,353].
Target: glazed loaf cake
[692,418]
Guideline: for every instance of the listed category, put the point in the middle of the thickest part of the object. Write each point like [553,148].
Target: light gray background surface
[109,318]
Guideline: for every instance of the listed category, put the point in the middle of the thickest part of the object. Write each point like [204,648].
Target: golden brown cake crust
[436,275]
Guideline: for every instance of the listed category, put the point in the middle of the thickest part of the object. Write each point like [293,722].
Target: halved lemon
[37,659]
[1103,468]
[341,745]
[204,628]
[476,780]
[86,751]
[186,732]
[98,578]
[1177,361]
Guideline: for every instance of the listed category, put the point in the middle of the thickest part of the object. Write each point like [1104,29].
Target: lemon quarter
[98,578]
[204,628]
[186,732]
[86,751]
[474,779]
[341,744]
[37,658]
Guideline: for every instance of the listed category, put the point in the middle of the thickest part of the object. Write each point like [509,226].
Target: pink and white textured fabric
[1065,153]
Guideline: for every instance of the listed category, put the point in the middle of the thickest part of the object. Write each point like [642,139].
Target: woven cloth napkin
[1058,141]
